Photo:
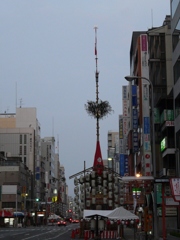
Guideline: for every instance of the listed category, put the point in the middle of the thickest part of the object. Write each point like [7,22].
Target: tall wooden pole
[97,85]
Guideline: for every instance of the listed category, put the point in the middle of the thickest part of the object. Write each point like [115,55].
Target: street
[41,232]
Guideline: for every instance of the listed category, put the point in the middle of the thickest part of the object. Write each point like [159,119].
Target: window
[20,150]
[177,70]
[25,153]
[20,139]
[176,35]
[25,160]
[174,5]
[177,106]
[25,139]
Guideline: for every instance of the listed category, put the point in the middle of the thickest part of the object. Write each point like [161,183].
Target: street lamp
[25,195]
[130,79]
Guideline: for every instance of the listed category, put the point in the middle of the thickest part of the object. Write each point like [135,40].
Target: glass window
[174,5]
[176,35]
[25,153]
[20,150]
[177,106]
[25,139]
[20,139]
[177,70]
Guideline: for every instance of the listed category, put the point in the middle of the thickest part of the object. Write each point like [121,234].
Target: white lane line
[43,234]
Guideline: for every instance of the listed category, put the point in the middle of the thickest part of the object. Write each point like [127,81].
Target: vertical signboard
[123,158]
[126,169]
[121,164]
[134,118]
[120,127]
[124,123]
[145,105]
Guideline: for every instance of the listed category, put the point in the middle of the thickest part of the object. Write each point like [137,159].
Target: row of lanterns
[90,177]
[91,184]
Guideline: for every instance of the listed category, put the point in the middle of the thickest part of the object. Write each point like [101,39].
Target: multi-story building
[113,149]
[48,154]
[175,33]
[152,150]
[16,184]
[22,133]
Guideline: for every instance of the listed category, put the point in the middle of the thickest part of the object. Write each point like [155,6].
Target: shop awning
[18,214]
[6,213]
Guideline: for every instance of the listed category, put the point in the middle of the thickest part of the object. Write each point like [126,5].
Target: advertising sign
[125,126]
[124,92]
[146,125]
[126,170]
[135,142]
[121,165]
[134,95]
[120,127]
[175,188]
[135,118]
[125,108]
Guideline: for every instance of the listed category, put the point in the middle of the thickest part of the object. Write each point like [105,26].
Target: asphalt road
[38,233]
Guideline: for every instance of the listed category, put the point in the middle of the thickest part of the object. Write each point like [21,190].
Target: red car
[75,221]
[61,223]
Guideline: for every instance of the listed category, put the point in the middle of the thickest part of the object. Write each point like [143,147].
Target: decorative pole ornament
[98,110]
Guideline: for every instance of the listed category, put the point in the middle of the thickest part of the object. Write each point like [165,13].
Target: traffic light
[37,199]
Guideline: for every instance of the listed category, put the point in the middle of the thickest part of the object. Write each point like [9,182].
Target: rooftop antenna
[16,98]
[20,100]
[52,126]
[58,144]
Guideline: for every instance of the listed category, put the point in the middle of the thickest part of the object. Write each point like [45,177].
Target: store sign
[146,125]
[135,142]
[135,118]
[175,188]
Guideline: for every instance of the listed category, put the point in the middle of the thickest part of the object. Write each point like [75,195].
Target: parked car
[61,222]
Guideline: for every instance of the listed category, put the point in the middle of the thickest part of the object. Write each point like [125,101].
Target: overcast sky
[47,60]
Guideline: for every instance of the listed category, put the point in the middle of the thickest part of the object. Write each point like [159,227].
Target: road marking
[43,234]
